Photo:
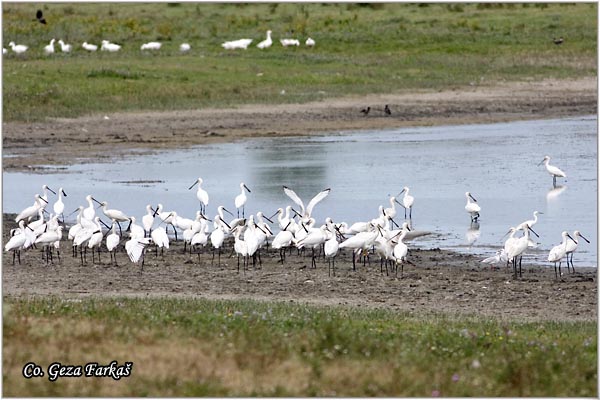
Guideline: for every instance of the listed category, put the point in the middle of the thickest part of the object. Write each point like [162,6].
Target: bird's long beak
[74,211]
[541,162]
[261,229]
[249,191]
[506,234]
[96,201]
[267,218]
[273,216]
[227,211]
[210,220]
[41,198]
[103,223]
[50,190]
[64,193]
[583,237]
[155,212]
[226,224]
[287,226]
[195,183]
[398,201]
[569,236]
[473,198]
[297,213]
[533,231]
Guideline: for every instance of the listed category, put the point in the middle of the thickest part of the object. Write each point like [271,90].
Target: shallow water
[497,163]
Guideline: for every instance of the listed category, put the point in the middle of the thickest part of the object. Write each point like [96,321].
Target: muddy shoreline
[439,281]
[100,138]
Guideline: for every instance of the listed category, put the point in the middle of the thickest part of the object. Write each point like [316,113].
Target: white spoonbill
[49,48]
[64,47]
[48,239]
[552,170]
[472,207]
[240,199]
[265,44]
[362,241]
[59,206]
[135,230]
[331,249]
[391,211]
[310,42]
[45,190]
[217,236]
[201,194]
[160,239]
[184,47]
[236,44]
[240,246]
[400,252]
[89,47]
[112,241]
[516,249]
[31,211]
[306,212]
[572,246]
[558,252]
[530,222]
[135,249]
[407,201]
[148,220]
[115,215]
[90,212]
[18,48]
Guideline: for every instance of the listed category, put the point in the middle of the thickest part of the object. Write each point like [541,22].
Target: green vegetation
[200,347]
[361,48]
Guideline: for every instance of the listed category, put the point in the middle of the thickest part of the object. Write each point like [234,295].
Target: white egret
[552,170]
[184,47]
[310,42]
[558,252]
[240,199]
[572,246]
[265,44]
[472,207]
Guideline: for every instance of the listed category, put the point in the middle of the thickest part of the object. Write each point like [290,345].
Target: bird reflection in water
[555,192]
[472,233]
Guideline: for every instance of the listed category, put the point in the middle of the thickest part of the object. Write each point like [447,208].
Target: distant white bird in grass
[4,51]
[552,170]
[265,44]
[572,246]
[557,253]
[184,47]
[472,207]
[310,42]
[240,199]
[110,47]
[89,47]
[18,48]
[306,212]
[49,48]
[236,44]
[289,42]
[151,46]
[407,201]
[64,47]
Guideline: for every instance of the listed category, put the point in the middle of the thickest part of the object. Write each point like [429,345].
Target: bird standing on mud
[365,111]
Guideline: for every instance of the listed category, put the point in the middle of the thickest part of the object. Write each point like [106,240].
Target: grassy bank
[376,48]
[247,348]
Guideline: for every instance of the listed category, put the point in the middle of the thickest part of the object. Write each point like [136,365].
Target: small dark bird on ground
[366,110]
[40,17]
[387,110]
[558,41]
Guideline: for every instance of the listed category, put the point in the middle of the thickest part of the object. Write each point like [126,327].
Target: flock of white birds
[154,46]
[381,236]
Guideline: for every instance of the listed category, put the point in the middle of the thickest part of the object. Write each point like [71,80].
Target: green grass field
[361,49]
[249,348]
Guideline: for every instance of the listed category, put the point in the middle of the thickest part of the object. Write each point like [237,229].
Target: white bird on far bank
[310,42]
[236,44]
[49,48]
[89,47]
[265,44]
[64,47]
[552,170]
[18,48]
[184,47]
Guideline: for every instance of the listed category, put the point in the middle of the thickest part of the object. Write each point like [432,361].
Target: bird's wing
[292,195]
[134,250]
[313,202]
